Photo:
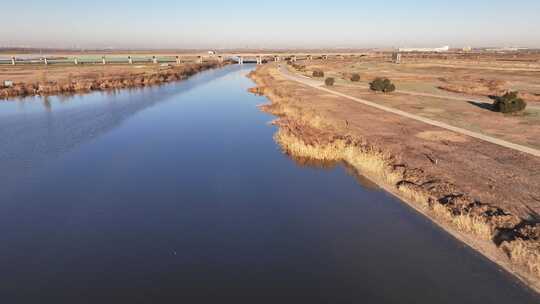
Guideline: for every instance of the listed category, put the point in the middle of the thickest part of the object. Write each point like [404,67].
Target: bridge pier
[76,61]
[220,59]
[130,60]
[277,58]
[396,58]
[13,60]
[154,60]
[240,60]
[45,61]
[293,58]
[103,60]
[259,60]
[200,59]
[309,57]
[178,61]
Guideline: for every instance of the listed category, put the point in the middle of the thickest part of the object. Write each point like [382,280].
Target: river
[179,193]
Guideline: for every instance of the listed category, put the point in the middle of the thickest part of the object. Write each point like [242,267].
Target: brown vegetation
[68,84]
[485,87]
[479,87]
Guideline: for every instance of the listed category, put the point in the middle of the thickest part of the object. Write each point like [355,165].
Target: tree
[329,81]
[355,77]
[382,85]
[318,73]
[509,103]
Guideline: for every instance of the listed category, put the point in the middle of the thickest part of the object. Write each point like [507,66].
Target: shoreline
[101,82]
[480,226]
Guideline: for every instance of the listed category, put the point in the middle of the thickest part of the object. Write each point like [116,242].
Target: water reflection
[34,129]
[308,162]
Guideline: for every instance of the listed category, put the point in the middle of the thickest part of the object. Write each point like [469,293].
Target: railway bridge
[81,59]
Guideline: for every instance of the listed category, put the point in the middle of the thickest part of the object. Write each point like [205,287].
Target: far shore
[31,80]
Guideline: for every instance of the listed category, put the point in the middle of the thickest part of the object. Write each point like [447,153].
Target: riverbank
[55,80]
[485,195]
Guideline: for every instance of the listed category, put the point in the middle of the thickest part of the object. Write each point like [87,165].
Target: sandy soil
[486,195]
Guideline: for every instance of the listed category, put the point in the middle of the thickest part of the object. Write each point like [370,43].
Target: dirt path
[318,85]
[463,97]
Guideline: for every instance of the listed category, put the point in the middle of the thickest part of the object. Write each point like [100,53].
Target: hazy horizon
[166,24]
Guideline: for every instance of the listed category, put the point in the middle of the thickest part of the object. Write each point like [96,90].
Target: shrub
[382,85]
[318,73]
[329,81]
[299,67]
[355,77]
[509,103]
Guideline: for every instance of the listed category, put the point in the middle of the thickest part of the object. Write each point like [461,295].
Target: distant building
[467,49]
[425,50]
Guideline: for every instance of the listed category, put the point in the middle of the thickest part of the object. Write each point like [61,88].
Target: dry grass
[374,163]
[480,87]
[526,253]
[473,224]
[364,159]
[62,80]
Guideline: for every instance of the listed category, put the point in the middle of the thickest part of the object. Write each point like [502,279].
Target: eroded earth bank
[485,195]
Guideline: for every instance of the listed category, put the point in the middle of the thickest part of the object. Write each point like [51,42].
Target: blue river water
[178,193]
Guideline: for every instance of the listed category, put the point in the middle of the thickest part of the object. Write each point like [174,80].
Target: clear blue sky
[240,23]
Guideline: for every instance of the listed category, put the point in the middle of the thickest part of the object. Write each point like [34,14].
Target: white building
[425,50]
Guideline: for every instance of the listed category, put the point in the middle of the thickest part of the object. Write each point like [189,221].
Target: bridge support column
[76,61]
[276,58]
[178,61]
[241,60]
[259,60]
[45,61]
[13,60]
[293,58]
[103,60]
[396,58]
[220,59]
[309,57]
[154,60]
[130,60]
[200,59]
